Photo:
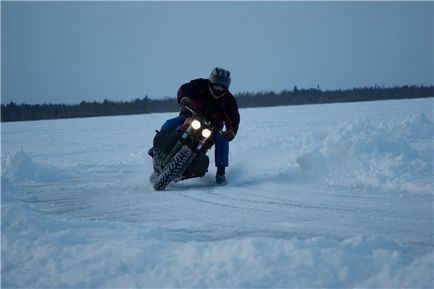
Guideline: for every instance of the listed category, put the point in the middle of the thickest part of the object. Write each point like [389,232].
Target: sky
[67,52]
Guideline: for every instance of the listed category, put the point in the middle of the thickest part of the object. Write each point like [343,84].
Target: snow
[319,196]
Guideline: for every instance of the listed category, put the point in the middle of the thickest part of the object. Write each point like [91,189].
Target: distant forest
[21,112]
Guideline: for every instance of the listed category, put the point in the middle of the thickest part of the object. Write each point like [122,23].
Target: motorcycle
[180,154]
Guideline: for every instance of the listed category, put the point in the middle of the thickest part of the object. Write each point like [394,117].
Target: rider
[211,97]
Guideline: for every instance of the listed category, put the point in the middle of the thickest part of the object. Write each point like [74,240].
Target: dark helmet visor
[218,90]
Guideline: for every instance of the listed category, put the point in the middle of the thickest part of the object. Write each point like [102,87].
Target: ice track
[352,173]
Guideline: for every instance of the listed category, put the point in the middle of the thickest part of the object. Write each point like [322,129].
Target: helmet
[219,81]
[221,77]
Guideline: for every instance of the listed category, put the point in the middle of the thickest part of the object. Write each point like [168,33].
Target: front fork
[176,147]
[194,154]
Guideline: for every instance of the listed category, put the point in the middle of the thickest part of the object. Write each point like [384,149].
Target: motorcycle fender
[199,166]
[165,140]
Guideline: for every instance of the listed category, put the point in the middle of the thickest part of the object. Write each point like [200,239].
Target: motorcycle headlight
[206,133]
[196,124]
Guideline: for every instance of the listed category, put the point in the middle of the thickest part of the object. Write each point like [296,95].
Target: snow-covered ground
[336,196]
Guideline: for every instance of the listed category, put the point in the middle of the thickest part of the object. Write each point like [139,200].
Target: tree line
[296,96]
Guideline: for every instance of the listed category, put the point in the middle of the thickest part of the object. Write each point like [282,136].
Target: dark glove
[228,135]
[185,101]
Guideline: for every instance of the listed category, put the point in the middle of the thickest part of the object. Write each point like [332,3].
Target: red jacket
[221,112]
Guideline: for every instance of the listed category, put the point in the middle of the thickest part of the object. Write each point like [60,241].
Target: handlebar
[208,123]
[190,110]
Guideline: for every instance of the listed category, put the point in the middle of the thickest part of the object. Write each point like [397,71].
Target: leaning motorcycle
[180,154]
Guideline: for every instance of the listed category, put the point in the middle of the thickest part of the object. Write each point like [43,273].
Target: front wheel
[173,169]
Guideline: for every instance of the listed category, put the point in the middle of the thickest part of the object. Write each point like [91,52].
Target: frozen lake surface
[334,195]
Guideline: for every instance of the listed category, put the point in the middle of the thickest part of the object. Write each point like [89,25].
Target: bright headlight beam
[206,133]
[196,124]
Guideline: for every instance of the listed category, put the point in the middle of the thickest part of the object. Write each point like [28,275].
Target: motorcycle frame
[182,140]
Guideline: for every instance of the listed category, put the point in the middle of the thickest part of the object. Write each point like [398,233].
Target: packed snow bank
[18,169]
[379,155]
[19,166]
[49,253]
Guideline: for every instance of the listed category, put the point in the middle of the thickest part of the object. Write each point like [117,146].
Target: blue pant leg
[173,123]
[221,151]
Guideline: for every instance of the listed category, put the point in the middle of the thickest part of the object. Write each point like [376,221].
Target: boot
[220,177]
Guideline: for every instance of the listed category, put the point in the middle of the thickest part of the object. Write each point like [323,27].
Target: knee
[173,122]
[218,137]
[220,142]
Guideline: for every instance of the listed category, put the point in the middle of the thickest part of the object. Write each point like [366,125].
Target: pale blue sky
[66,52]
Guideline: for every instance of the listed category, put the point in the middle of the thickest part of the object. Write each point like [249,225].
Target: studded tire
[173,169]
